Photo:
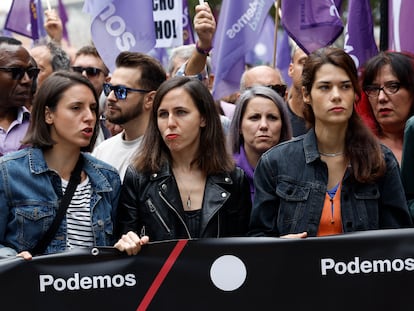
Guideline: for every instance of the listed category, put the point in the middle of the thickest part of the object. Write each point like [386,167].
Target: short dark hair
[91,50]
[48,95]
[152,72]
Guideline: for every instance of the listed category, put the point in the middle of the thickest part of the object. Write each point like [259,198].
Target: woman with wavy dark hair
[183,182]
[336,178]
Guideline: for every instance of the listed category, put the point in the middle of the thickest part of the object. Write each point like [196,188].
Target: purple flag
[238,29]
[116,27]
[283,55]
[359,32]
[311,24]
[41,31]
[64,17]
[26,18]
[188,35]
[19,18]
[262,52]
[401,23]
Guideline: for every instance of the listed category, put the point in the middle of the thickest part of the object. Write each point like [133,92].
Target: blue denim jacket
[291,181]
[30,194]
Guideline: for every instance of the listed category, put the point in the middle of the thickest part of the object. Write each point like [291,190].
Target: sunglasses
[278,88]
[90,71]
[120,91]
[18,72]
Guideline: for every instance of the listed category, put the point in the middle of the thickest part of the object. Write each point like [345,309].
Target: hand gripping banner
[359,271]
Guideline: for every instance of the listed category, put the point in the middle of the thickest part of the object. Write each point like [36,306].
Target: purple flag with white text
[359,32]
[400,25]
[311,24]
[238,29]
[119,26]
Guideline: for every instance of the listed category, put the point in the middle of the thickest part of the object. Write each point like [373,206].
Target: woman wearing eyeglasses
[183,183]
[388,84]
[336,178]
[260,121]
[34,182]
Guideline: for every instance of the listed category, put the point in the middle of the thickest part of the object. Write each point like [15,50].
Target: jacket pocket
[32,224]
[366,207]
[291,192]
[293,205]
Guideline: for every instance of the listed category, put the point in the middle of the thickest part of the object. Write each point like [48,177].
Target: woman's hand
[25,254]
[301,235]
[131,243]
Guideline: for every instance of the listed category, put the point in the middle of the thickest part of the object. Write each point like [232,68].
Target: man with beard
[129,103]
[18,73]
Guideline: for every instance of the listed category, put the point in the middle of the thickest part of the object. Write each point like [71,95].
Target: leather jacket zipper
[178,215]
[154,210]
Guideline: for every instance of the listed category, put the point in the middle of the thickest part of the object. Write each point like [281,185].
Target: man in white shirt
[129,103]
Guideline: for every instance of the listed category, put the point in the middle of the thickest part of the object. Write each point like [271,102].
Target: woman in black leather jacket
[183,182]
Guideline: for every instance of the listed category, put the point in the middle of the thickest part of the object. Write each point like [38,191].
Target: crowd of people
[90,157]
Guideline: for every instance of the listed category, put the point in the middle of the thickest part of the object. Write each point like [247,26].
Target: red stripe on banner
[162,275]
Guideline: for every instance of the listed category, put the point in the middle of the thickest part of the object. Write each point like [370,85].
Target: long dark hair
[361,146]
[212,156]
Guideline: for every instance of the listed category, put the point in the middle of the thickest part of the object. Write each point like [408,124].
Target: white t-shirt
[117,152]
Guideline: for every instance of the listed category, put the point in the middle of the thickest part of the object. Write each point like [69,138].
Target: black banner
[370,270]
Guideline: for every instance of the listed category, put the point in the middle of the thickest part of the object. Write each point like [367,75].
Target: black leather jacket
[150,204]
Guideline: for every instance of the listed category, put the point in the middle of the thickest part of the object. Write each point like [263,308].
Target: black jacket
[150,204]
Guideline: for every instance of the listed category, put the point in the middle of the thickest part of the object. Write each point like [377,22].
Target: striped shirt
[78,216]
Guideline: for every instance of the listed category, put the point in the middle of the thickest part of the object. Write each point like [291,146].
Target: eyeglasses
[90,71]
[278,88]
[120,91]
[18,72]
[388,88]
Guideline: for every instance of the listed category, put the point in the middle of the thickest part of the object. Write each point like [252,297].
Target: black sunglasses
[90,71]
[18,72]
[279,88]
[120,91]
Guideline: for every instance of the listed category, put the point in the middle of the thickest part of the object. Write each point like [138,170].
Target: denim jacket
[30,194]
[291,181]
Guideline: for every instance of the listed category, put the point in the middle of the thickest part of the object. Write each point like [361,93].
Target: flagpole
[277,5]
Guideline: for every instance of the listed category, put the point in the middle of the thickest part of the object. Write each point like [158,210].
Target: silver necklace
[331,155]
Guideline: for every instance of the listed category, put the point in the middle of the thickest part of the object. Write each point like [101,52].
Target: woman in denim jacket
[32,181]
[336,178]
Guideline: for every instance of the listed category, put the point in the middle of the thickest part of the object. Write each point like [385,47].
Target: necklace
[331,155]
[181,182]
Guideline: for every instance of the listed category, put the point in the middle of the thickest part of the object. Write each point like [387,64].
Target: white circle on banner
[228,273]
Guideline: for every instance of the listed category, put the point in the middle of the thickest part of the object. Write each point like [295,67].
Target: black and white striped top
[78,216]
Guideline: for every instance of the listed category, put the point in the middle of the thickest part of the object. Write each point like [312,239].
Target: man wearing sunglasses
[17,76]
[129,103]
